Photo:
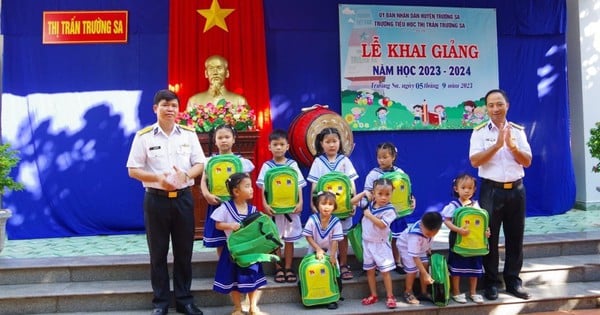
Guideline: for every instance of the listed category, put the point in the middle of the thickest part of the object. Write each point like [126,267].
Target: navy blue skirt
[398,226]
[212,236]
[465,266]
[231,277]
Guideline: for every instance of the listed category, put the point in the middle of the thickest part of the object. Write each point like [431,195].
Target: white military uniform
[154,151]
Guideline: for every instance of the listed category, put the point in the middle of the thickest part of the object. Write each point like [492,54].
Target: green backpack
[218,170]
[355,238]
[475,243]
[341,186]
[318,281]
[281,188]
[441,277]
[254,242]
[401,196]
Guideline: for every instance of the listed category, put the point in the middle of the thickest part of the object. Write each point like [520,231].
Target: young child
[414,244]
[330,157]
[288,225]
[463,188]
[323,231]
[377,218]
[224,138]
[229,277]
[386,157]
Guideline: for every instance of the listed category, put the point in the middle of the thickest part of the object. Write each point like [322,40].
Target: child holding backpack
[213,181]
[414,244]
[323,231]
[386,157]
[229,277]
[288,224]
[463,188]
[330,158]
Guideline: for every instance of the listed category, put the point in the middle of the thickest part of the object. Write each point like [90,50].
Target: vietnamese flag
[235,30]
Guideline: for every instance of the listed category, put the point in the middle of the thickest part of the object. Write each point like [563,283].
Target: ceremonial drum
[308,124]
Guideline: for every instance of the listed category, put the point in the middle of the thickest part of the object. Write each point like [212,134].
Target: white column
[583,51]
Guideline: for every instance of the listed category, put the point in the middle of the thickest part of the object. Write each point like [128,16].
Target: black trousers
[170,219]
[506,208]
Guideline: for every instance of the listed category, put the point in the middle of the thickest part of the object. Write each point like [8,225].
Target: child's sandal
[460,298]
[290,276]
[255,311]
[279,276]
[346,273]
[476,298]
[410,298]
[371,299]
[391,302]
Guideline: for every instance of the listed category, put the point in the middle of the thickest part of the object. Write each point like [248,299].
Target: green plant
[594,144]
[8,160]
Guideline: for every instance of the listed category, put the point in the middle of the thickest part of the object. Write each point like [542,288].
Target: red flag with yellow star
[235,30]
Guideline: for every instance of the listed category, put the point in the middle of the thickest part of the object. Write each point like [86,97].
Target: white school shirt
[323,237]
[413,241]
[322,166]
[227,213]
[372,233]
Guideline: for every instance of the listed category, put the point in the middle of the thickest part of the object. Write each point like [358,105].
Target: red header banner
[80,27]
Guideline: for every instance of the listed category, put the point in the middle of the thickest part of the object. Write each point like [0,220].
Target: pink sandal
[371,299]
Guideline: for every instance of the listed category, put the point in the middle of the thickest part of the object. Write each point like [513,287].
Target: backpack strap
[230,206]
[457,204]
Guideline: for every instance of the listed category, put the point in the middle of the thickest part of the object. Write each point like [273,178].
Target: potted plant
[8,160]
[594,144]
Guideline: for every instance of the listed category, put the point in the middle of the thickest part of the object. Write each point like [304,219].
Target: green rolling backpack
[441,277]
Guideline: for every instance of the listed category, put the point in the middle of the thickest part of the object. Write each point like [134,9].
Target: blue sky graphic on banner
[407,67]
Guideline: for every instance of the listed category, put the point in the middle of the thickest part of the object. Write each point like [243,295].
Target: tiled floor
[572,221]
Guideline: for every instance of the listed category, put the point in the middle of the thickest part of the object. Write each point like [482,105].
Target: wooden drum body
[308,124]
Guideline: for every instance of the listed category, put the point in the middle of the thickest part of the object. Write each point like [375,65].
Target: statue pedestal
[245,145]
[4,215]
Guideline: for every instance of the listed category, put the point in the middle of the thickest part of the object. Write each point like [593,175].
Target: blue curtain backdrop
[74,167]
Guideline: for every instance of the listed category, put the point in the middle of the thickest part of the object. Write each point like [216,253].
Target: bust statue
[216,70]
